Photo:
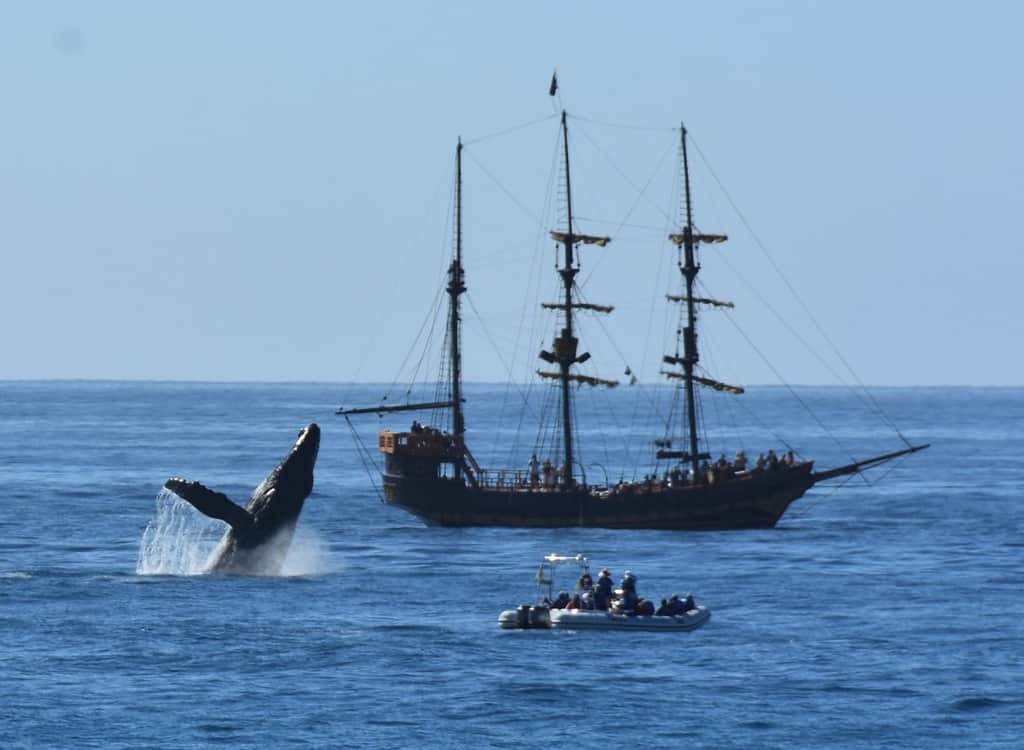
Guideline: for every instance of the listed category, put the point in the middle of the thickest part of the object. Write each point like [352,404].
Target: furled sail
[718,386]
[698,300]
[577,306]
[709,239]
[586,239]
[583,379]
[715,384]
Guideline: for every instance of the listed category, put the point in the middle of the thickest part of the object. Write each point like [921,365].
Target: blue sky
[260,191]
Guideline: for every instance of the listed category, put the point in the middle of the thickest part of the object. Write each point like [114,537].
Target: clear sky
[260,191]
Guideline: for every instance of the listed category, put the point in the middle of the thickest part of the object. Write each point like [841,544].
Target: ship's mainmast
[456,286]
[565,345]
[567,341]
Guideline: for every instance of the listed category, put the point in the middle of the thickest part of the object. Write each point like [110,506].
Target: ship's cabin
[421,453]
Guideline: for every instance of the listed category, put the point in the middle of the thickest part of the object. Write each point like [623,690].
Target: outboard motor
[523,615]
[540,617]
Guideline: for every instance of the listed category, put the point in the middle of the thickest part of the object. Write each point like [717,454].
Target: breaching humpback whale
[261,532]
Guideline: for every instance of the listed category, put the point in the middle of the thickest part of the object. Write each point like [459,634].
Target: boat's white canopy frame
[546,572]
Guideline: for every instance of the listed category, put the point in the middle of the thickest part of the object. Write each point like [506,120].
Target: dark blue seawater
[885,613]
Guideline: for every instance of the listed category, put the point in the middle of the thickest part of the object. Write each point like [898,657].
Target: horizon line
[200,381]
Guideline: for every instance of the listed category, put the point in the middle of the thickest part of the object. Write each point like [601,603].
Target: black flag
[554,84]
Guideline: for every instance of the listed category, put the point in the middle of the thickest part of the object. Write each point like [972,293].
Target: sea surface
[887,611]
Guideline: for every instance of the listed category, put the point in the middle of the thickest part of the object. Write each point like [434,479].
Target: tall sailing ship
[432,473]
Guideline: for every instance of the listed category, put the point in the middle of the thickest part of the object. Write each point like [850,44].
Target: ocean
[887,611]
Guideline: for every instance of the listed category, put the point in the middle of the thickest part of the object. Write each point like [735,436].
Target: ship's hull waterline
[755,501]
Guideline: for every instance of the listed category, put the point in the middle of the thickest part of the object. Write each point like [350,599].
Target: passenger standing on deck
[534,471]
[549,474]
[705,472]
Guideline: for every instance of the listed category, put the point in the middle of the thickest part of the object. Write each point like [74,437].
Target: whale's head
[295,472]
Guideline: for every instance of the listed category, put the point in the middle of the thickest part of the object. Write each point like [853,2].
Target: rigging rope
[788,387]
[622,126]
[835,350]
[365,457]
[785,324]
[641,192]
[507,131]
[432,311]
[491,340]
[533,284]
[502,188]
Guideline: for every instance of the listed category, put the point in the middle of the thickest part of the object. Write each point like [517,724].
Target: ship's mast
[687,242]
[456,286]
[565,345]
[568,341]
[690,270]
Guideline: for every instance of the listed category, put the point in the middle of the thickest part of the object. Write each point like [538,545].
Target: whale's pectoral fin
[214,504]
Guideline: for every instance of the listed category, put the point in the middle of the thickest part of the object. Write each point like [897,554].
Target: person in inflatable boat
[603,594]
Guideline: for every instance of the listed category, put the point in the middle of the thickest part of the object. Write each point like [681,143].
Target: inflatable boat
[549,613]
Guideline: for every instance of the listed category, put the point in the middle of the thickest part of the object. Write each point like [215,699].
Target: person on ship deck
[534,467]
[548,471]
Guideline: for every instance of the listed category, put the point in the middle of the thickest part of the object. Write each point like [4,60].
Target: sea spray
[307,555]
[178,541]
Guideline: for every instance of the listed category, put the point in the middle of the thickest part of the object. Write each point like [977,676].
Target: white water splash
[181,542]
[178,542]
[307,555]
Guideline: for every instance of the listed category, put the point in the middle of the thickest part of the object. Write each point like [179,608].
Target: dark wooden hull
[753,501]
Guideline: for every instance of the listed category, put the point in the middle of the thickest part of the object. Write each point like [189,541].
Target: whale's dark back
[274,506]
